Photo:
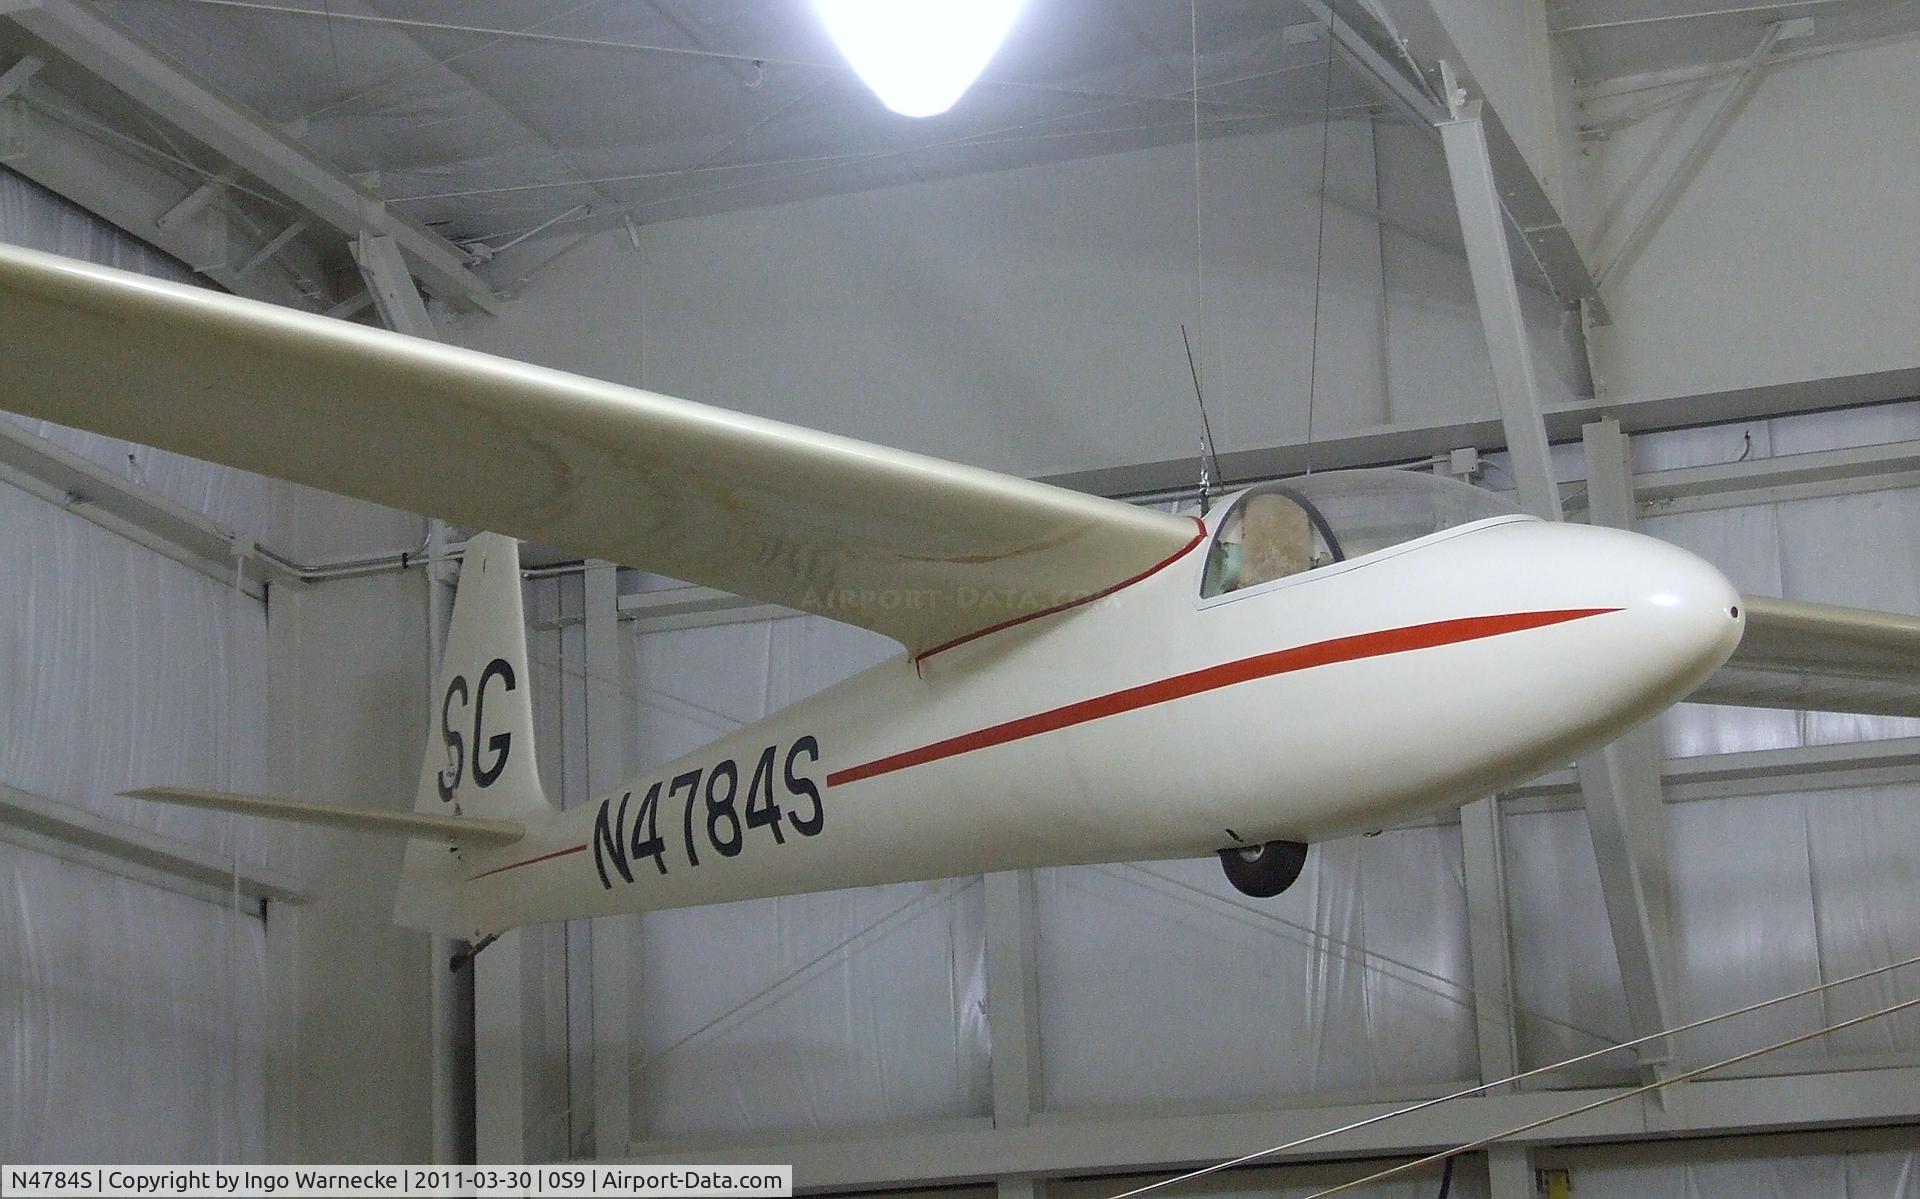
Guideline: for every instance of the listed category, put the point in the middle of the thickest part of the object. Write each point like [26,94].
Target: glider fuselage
[1150,722]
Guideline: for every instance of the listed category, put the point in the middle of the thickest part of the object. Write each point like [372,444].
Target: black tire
[1266,871]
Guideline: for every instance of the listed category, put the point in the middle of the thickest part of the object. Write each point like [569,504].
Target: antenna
[1209,465]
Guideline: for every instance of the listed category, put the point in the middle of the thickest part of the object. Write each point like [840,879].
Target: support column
[1732,103]
[1621,783]
[1625,808]
[394,295]
[1483,229]
[452,994]
[499,1053]
[1482,863]
[1013,1010]
[16,76]
[403,311]
[573,941]
[610,950]
[283,998]
[1510,1172]
[1488,947]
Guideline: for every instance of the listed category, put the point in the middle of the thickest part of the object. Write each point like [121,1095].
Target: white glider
[1084,680]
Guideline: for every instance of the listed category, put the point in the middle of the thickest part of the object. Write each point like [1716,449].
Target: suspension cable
[1481,1088]
[1583,1109]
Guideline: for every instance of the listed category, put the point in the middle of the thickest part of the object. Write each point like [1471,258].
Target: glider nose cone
[1703,608]
[1684,615]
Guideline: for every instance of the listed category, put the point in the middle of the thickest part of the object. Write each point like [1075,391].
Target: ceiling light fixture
[918,56]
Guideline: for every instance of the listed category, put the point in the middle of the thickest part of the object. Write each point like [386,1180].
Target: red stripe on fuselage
[545,857]
[1180,686]
[1304,657]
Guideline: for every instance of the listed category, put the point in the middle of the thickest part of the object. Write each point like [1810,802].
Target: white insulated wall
[1029,320]
[132,1019]
[1794,256]
[140,1024]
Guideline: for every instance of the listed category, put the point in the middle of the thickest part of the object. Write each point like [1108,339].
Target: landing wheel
[1264,871]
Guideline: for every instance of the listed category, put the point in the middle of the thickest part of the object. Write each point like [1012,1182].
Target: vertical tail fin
[479,758]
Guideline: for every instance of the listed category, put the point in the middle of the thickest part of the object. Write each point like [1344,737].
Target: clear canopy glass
[1281,529]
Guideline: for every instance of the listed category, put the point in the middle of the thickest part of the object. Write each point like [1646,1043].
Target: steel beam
[1622,800]
[1625,814]
[1405,228]
[15,77]
[283,997]
[1778,479]
[690,607]
[351,306]
[102,47]
[274,245]
[1732,103]
[395,298]
[1384,445]
[1409,95]
[455,1000]
[90,491]
[195,201]
[499,1052]
[127,191]
[1477,198]
[1523,196]
[1488,948]
[572,976]
[1621,782]
[74,834]
[611,950]
[1509,1172]
[451,993]
[1888,763]
[1013,997]
[1130,1142]
[1013,1013]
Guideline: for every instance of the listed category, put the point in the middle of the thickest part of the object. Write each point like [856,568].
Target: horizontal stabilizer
[459,830]
[1821,657]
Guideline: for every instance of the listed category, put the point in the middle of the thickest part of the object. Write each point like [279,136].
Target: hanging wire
[746,58]
[1481,1088]
[1392,969]
[1209,464]
[1199,263]
[333,44]
[885,925]
[413,70]
[1320,245]
[1583,1109]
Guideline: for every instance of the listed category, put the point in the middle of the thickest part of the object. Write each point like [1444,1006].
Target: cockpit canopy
[1281,529]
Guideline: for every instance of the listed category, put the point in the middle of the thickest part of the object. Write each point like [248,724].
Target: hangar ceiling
[490,121]
[1606,39]
[487,118]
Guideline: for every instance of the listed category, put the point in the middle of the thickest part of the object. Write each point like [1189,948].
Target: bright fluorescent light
[918,56]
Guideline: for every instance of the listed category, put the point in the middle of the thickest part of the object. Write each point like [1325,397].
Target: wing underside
[924,551]
[1821,657]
